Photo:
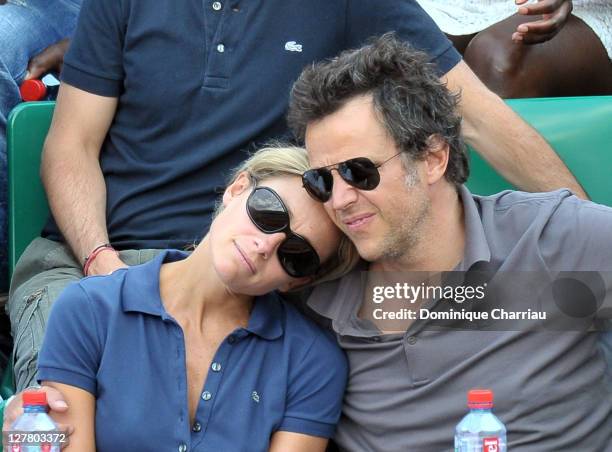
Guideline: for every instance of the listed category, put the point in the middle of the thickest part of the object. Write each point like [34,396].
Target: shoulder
[551,207]
[568,232]
[309,340]
[100,295]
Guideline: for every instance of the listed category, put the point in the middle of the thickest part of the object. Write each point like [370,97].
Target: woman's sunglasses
[268,212]
[360,172]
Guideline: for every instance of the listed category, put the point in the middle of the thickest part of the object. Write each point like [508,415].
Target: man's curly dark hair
[409,98]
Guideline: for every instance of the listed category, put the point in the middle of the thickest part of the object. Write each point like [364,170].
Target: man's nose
[342,195]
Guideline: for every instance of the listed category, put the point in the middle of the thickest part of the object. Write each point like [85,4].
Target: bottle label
[490,444]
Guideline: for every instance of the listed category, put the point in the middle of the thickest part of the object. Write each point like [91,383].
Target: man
[389,164]
[135,153]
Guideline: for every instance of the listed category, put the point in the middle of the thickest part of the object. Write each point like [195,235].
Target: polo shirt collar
[141,294]
[141,285]
[476,245]
[266,319]
[328,299]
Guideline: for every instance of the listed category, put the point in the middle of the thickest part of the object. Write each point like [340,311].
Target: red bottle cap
[480,398]
[35,398]
[32,90]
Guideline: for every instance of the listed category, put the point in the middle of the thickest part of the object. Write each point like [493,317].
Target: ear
[436,159]
[295,284]
[237,187]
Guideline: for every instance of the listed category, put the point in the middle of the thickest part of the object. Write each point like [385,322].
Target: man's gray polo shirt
[407,392]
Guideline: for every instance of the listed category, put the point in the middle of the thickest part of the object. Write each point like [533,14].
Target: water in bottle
[34,430]
[480,430]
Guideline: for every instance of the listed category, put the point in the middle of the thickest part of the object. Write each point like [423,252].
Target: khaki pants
[45,268]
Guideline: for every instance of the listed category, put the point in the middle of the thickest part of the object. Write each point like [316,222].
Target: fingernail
[61,404]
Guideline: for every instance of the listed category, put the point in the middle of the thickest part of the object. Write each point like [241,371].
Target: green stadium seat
[580,131]
[26,130]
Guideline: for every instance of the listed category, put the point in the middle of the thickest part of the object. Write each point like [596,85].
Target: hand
[555,14]
[14,409]
[106,262]
[50,59]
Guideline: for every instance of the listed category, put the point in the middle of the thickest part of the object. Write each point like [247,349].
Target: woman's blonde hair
[284,160]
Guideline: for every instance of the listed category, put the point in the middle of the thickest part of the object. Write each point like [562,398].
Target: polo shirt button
[182,447]
[412,340]
[231,339]
[216,367]
[220,48]
[217,6]
[206,395]
[197,427]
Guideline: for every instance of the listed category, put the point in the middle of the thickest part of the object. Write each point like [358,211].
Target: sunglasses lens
[267,211]
[318,183]
[360,172]
[297,257]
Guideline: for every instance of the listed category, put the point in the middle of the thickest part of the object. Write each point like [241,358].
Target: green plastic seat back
[578,128]
[27,128]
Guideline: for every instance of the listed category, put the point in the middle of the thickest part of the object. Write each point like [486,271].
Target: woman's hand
[14,409]
[555,14]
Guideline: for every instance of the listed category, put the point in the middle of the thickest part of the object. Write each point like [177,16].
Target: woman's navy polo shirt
[112,337]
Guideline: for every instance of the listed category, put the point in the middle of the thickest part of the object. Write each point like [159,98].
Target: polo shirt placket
[219,17]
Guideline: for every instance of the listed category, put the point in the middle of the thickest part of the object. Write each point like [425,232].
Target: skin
[398,226]
[50,59]
[542,51]
[234,262]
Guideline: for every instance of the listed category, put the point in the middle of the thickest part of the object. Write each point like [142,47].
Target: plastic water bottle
[34,430]
[44,89]
[480,430]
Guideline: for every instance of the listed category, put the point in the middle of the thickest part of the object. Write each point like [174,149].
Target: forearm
[504,140]
[77,195]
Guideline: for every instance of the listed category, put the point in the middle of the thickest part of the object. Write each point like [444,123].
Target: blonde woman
[196,352]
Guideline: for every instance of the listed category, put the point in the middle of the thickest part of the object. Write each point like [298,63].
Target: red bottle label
[490,444]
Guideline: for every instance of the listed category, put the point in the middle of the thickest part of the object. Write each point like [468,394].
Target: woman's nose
[266,244]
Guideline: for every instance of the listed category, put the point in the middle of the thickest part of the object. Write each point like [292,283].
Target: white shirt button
[206,395]
[220,48]
[216,367]
[217,6]
[182,447]
[197,427]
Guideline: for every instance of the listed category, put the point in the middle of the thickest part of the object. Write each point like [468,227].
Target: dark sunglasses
[360,172]
[268,212]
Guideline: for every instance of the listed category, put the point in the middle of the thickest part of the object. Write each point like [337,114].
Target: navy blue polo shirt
[112,337]
[200,83]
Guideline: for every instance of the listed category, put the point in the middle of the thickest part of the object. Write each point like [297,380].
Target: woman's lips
[245,258]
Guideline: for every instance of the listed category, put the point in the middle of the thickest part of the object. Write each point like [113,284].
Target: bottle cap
[35,398]
[480,398]
[32,90]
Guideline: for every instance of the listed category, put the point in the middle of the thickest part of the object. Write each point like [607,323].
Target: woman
[532,49]
[194,351]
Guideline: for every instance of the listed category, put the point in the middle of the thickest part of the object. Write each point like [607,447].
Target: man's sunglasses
[360,172]
[268,212]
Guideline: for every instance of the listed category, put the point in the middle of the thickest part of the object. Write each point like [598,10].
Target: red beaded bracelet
[97,250]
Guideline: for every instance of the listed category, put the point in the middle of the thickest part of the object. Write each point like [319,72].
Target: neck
[440,242]
[191,291]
